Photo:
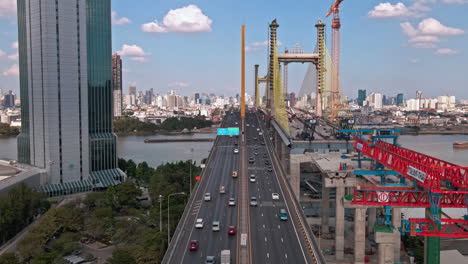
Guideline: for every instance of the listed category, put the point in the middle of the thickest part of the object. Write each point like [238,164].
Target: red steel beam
[406,197]
[446,228]
[430,172]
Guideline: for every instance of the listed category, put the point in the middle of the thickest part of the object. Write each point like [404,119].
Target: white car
[207,196]
[236,151]
[199,223]
[258,129]
[252,178]
[232,202]
[260,133]
[275,196]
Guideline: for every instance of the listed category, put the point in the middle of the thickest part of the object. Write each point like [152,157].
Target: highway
[272,240]
[269,239]
[218,172]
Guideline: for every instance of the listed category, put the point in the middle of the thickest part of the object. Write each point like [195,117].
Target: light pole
[160,212]
[191,160]
[168,214]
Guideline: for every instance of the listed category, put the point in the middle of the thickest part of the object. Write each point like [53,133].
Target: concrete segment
[396,222]
[339,226]
[386,244]
[359,235]
[325,207]
[371,219]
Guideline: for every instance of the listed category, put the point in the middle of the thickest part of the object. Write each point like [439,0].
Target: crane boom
[335,6]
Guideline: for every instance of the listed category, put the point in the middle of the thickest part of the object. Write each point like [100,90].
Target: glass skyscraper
[66,92]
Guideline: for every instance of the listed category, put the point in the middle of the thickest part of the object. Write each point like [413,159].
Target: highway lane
[273,240]
[219,170]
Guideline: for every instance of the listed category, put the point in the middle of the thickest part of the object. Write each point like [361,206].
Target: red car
[232,230]
[193,245]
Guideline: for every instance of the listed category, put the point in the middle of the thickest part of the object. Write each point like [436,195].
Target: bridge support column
[325,208]
[340,221]
[396,222]
[371,219]
[359,235]
[386,244]
[295,174]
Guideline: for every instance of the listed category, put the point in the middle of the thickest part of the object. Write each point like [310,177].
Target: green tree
[121,256]
[9,258]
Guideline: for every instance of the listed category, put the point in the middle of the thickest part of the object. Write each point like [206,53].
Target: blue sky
[387,46]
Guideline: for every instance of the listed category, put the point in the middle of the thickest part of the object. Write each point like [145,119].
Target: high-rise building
[9,99]
[362,94]
[292,99]
[66,93]
[400,99]
[132,90]
[117,84]
[149,96]
[419,95]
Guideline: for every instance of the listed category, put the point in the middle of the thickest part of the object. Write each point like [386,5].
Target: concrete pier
[396,222]
[359,235]
[325,208]
[386,241]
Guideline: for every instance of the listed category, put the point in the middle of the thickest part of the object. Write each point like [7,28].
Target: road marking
[282,240]
[263,226]
[286,255]
[266,239]
[268,255]
[279,227]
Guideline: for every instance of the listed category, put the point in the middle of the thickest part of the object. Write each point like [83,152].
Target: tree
[121,256]
[9,258]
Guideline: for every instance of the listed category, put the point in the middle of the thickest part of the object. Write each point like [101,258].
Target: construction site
[363,193]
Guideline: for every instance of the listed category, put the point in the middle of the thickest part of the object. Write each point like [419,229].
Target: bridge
[250,189]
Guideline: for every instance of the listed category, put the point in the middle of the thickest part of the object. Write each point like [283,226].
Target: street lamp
[191,160]
[160,212]
[168,213]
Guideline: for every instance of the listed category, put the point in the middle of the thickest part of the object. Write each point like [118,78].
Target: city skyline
[416,45]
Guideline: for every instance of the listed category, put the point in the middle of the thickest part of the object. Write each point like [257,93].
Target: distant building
[9,99]
[132,90]
[362,95]
[399,100]
[375,100]
[117,84]
[66,91]
[445,102]
[412,105]
[419,95]
[292,99]
[149,96]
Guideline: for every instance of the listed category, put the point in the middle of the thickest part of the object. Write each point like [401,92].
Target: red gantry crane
[436,184]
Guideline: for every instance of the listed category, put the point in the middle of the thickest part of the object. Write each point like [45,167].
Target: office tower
[9,99]
[149,96]
[361,97]
[117,84]
[66,92]
[292,99]
[400,99]
[132,90]
[419,95]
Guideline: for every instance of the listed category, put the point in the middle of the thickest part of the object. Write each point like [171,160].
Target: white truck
[226,256]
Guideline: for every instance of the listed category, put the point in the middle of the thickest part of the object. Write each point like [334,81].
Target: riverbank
[206,130]
[454,130]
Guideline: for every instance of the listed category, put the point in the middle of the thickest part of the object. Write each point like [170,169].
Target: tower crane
[335,54]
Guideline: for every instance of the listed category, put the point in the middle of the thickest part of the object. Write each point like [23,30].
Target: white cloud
[458,2]
[254,46]
[387,10]
[13,56]
[445,51]
[414,61]
[2,53]
[424,45]
[12,71]
[178,84]
[132,51]
[408,29]
[423,38]
[7,8]
[185,19]
[431,26]
[14,45]
[119,21]
[139,59]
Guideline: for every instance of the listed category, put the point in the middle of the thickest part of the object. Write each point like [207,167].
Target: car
[267,162]
[248,125]
[232,230]
[232,201]
[234,174]
[193,245]
[270,169]
[216,226]
[253,201]
[222,189]
[283,215]
[207,196]
[210,260]
[252,178]
[251,160]
[260,133]
[263,143]
[236,123]
[199,223]
[236,151]
[275,196]
[255,138]
[258,129]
